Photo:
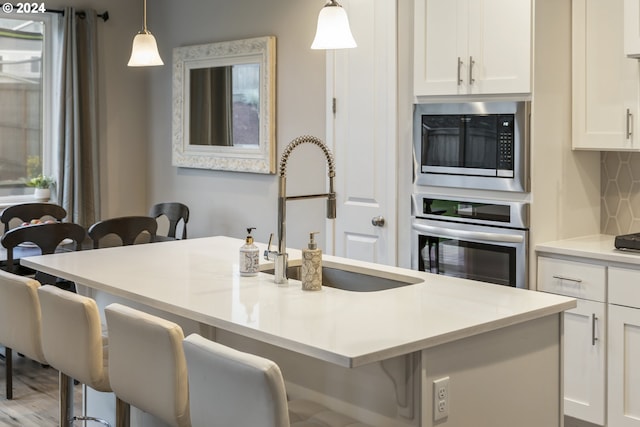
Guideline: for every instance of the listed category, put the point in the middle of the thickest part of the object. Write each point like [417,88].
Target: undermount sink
[339,278]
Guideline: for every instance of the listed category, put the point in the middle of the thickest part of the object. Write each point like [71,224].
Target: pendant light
[144,52]
[333,30]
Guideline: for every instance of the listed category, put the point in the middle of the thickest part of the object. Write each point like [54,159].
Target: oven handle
[476,235]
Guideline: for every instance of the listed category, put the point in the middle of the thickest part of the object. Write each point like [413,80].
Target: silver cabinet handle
[377,221]
[629,123]
[471,64]
[459,73]
[570,279]
[448,233]
[593,329]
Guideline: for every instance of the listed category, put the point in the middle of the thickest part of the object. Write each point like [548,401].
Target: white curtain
[76,119]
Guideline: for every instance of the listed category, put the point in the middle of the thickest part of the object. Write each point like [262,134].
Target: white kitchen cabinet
[605,82]
[624,366]
[472,47]
[584,361]
[632,28]
[624,348]
[584,334]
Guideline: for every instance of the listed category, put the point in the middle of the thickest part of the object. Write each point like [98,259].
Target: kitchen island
[374,355]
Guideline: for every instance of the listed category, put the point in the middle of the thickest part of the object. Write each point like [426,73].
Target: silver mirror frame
[260,50]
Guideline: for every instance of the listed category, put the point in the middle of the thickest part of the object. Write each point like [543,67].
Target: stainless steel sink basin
[337,277]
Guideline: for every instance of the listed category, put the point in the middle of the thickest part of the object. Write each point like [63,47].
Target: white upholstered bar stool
[74,344]
[228,387]
[19,322]
[147,367]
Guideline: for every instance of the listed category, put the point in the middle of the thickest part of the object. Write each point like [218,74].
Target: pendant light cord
[144,16]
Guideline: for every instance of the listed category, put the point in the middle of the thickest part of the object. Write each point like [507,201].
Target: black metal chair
[29,211]
[175,212]
[127,228]
[47,237]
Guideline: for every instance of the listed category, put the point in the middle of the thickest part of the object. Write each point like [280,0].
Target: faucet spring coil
[302,140]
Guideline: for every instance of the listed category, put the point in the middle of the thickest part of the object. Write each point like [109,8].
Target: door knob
[378,221]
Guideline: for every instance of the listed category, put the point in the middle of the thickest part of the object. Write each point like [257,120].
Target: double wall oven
[469,147]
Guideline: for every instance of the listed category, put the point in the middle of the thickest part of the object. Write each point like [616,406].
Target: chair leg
[65,392]
[66,404]
[123,413]
[8,366]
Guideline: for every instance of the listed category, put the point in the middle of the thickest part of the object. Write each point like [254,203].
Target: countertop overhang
[199,279]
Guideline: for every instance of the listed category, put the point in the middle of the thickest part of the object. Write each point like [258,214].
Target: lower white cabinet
[585,334]
[624,348]
[584,361]
[624,366]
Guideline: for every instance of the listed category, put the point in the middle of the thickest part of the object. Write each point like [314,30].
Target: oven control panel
[488,212]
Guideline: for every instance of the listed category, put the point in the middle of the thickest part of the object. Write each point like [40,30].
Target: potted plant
[42,186]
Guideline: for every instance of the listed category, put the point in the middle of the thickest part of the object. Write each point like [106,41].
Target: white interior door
[362,131]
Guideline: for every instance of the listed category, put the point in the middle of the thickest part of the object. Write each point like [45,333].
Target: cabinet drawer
[571,278]
[624,287]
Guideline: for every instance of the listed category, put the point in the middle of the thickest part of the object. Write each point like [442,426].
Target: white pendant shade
[144,52]
[333,30]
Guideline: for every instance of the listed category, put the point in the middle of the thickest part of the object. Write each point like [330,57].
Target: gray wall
[227,202]
[136,110]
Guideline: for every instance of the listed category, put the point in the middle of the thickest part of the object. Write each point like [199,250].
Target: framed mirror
[224,105]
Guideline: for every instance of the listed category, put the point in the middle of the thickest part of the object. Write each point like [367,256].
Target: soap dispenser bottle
[249,256]
[311,266]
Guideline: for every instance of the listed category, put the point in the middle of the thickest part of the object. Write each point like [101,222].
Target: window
[25,96]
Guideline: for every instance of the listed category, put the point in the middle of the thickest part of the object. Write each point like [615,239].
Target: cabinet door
[499,58]
[632,28]
[584,361]
[624,367]
[605,82]
[472,47]
[440,47]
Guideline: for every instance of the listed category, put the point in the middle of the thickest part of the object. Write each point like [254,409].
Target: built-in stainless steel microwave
[480,145]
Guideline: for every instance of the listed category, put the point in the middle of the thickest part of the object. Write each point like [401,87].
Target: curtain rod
[82,14]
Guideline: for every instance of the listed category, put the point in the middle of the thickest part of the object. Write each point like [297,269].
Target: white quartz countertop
[597,247]
[199,279]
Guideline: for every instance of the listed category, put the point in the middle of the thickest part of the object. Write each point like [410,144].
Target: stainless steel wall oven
[471,238]
[480,145]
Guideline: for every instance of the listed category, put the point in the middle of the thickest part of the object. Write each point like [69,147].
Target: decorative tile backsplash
[620,193]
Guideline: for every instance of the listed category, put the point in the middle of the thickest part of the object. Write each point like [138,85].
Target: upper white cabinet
[605,81]
[472,47]
[632,28]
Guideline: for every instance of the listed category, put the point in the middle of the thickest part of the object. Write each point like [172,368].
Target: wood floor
[35,395]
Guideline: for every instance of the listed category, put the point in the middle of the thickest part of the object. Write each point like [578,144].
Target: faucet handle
[268,252]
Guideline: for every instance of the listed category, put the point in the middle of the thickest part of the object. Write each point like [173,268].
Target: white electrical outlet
[440,398]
